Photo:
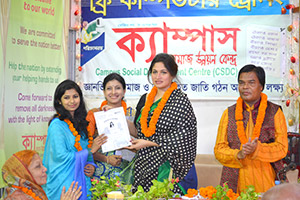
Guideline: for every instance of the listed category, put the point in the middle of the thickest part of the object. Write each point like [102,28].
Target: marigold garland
[149,131]
[28,192]
[124,105]
[77,136]
[191,193]
[259,121]
[211,192]
[232,195]
[207,192]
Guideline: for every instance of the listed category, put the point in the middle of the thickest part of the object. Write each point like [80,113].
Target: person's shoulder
[56,120]
[179,94]
[273,105]
[91,111]
[55,124]
[17,195]
[143,98]
[179,98]
[232,106]
[90,114]
[230,110]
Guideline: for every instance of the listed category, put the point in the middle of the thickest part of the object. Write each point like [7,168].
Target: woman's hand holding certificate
[113,124]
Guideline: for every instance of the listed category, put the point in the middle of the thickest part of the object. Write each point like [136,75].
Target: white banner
[209,51]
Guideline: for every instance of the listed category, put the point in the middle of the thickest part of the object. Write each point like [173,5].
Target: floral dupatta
[15,172]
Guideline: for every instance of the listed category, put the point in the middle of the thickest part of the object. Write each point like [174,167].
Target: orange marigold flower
[260,118]
[76,144]
[73,130]
[149,131]
[191,193]
[232,195]
[77,136]
[207,192]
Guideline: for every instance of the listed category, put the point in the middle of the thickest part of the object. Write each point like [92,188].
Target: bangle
[107,159]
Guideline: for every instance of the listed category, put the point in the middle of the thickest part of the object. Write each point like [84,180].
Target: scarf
[15,172]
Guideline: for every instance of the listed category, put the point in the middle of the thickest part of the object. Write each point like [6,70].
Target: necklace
[77,136]
[149,131]
[259,121]
[28,192]
[124,105]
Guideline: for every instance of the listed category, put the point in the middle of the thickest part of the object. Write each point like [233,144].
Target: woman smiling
[114,90]
[70,145]
[165,125]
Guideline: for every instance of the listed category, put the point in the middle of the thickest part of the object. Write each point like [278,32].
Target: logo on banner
[92,39]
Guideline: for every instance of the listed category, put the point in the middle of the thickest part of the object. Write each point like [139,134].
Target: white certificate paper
[126,154]
[113,124]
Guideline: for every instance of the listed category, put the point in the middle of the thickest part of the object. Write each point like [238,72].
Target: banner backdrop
[210,41]
[34,64]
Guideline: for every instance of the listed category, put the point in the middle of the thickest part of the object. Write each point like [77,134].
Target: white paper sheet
[126,154]
[113,124]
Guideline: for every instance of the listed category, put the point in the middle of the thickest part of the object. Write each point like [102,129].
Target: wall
[208,113]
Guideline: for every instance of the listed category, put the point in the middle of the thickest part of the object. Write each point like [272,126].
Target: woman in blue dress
[69,148]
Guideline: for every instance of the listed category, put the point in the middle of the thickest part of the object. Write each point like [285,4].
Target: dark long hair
[169,62]
[79,121]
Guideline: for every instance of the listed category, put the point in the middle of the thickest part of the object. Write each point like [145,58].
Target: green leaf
[140,189]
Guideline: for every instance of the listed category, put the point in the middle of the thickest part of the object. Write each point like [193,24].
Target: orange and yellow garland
[149,131]
[259,121]
[77,136]
[210,192]
[28,192]
[124,105]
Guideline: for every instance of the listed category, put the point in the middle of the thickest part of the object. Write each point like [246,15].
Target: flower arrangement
[101,187]
[249,193]
[159,190]
[222,193]
[163,190]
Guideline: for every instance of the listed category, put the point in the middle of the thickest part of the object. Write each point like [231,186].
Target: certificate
[113,124]
[126,154]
